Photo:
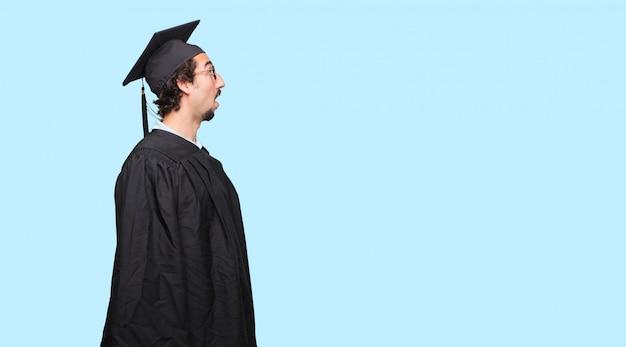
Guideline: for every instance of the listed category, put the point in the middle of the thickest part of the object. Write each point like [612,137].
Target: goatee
[209,115]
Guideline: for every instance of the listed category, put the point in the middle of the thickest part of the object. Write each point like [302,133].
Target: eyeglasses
[209,72]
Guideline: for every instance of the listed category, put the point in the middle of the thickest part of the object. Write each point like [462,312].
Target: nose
[220,82]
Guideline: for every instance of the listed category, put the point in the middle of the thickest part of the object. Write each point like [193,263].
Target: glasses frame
[209,72]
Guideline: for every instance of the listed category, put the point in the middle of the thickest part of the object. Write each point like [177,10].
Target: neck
[184,126]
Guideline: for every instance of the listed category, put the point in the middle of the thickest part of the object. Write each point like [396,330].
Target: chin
[209,115]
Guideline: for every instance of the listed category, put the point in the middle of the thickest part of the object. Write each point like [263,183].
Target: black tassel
[144,111]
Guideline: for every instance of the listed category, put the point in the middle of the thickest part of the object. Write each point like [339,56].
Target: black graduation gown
[181,275]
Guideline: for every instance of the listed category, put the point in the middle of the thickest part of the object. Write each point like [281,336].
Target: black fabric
[166,51]
[181,275]
[166,60]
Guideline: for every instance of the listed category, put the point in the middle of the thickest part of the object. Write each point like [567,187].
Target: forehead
[202,60]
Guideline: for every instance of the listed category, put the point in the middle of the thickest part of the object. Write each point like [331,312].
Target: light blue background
[411,173]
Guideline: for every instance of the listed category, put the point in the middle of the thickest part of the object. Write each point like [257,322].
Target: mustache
[219,92]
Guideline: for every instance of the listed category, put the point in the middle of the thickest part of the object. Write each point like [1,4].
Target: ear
[184,86]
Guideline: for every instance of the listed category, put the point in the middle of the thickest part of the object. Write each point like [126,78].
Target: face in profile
[208,86]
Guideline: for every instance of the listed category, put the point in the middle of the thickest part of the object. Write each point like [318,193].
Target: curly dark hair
[169,97]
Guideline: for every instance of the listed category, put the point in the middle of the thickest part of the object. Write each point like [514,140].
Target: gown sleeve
[145,199]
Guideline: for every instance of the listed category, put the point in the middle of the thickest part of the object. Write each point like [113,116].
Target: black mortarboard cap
[165,53]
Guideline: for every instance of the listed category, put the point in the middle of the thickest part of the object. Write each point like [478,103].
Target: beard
[208,115]
[211,113]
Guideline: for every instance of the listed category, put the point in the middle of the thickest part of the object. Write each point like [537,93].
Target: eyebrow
[208,63]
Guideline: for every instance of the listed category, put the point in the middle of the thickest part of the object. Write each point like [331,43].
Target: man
[181,275]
